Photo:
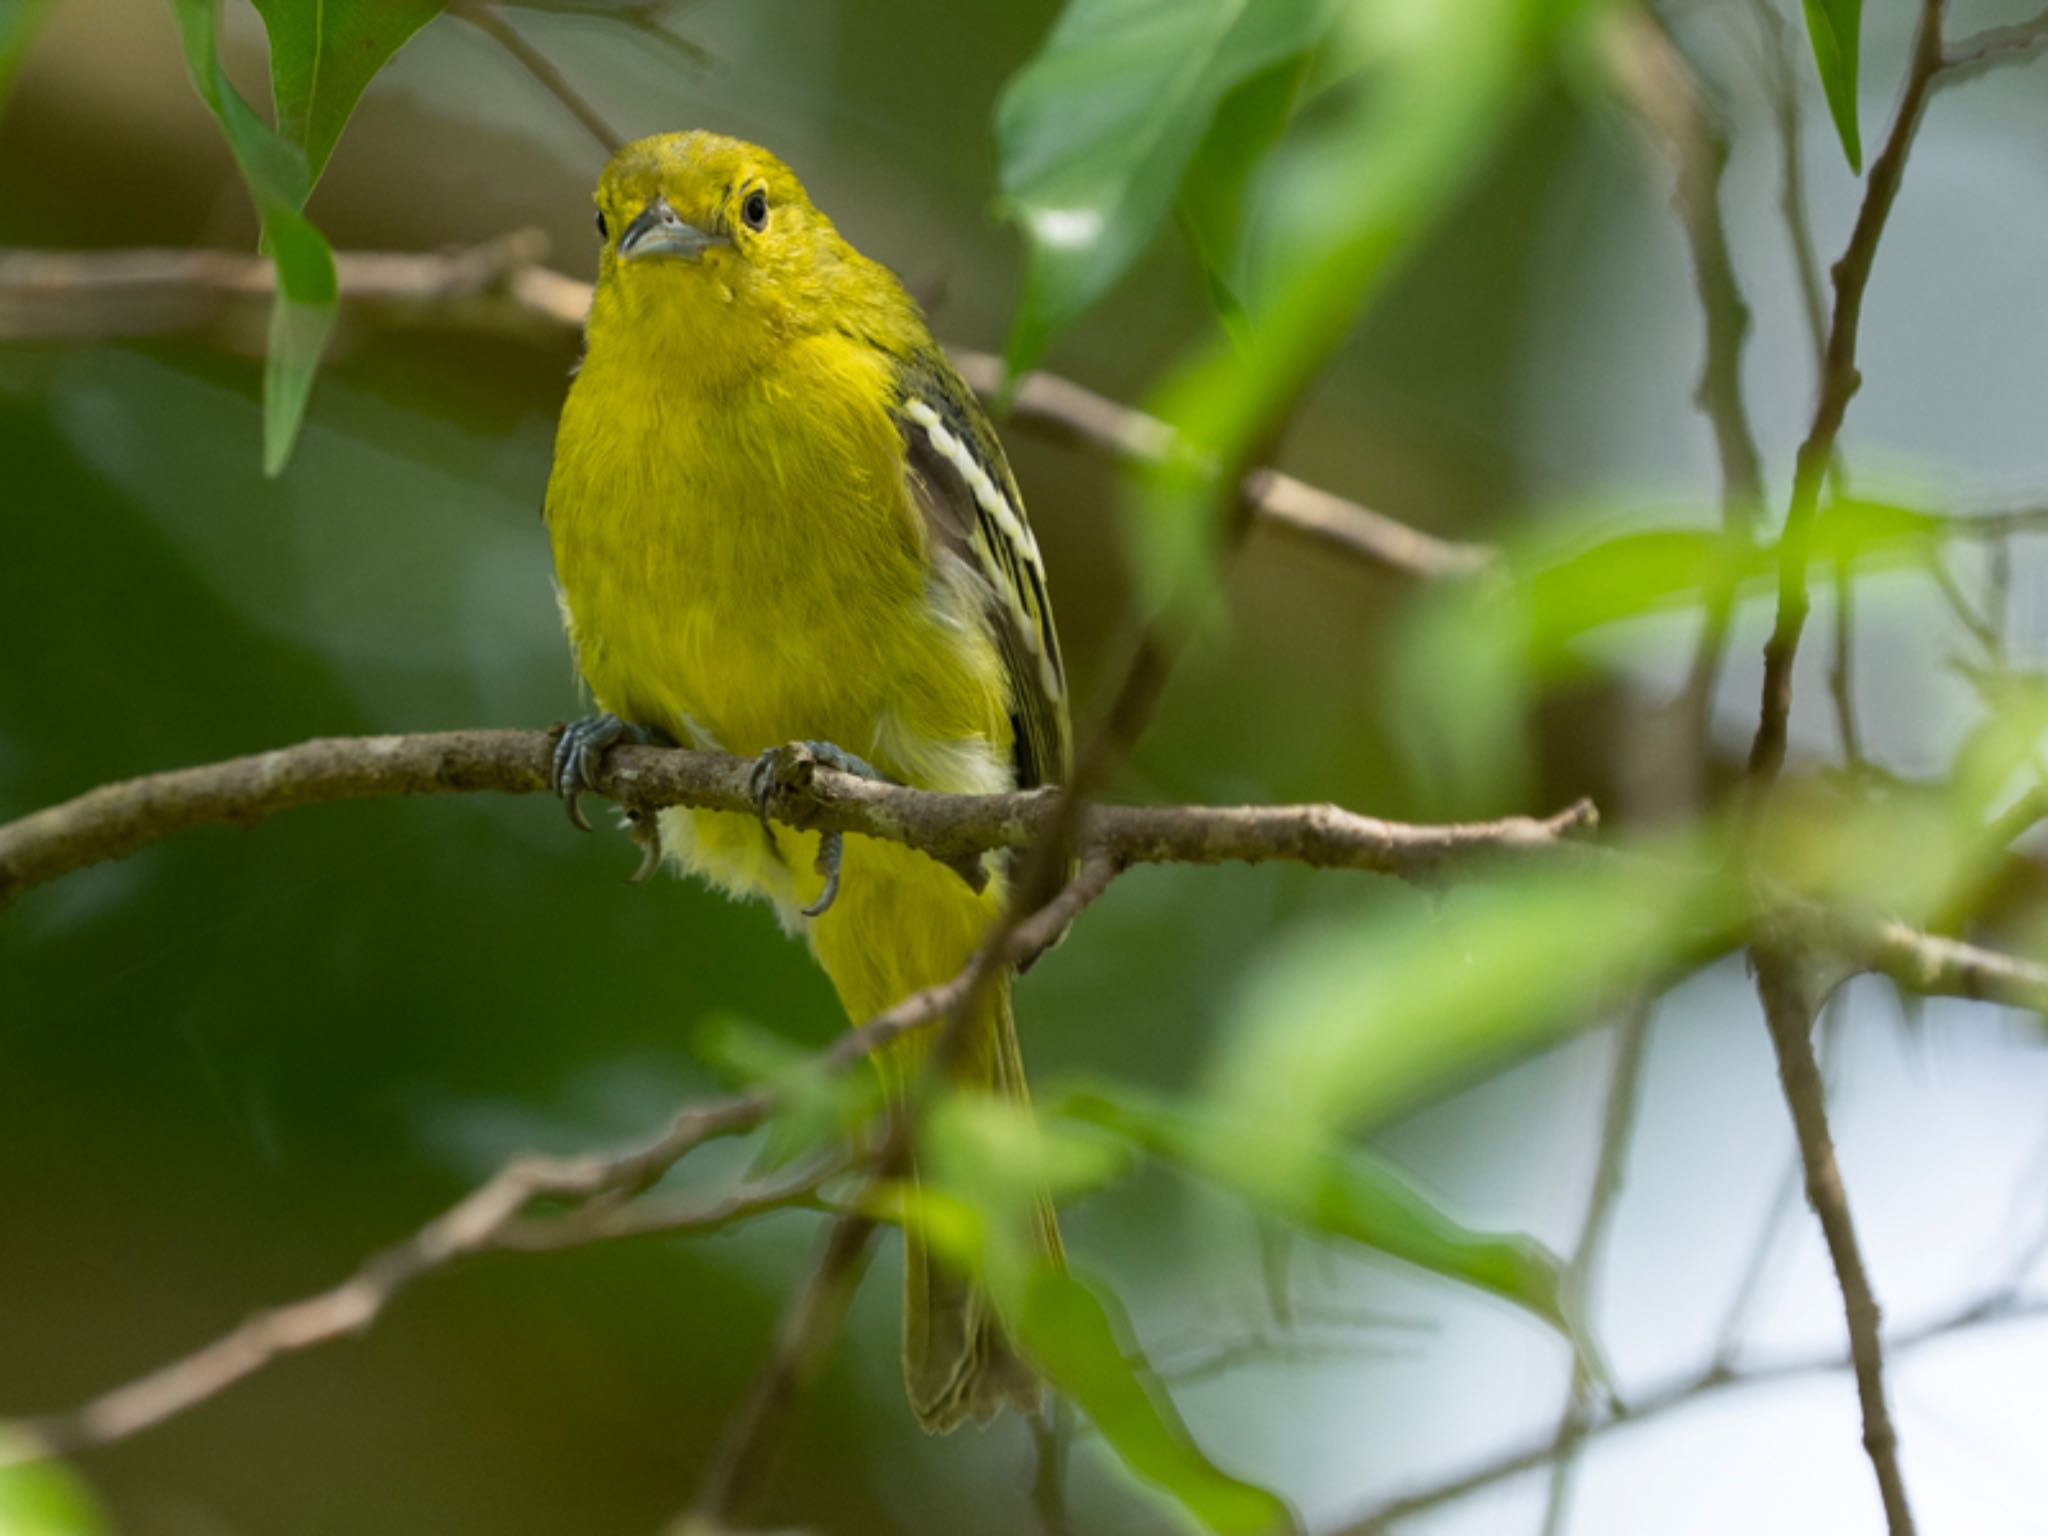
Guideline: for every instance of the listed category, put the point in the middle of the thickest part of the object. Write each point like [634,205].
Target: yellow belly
[744,576]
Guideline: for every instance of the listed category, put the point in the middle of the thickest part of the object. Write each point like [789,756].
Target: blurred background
[231,1066]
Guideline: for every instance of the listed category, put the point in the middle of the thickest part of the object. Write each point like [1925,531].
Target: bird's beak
[660,231]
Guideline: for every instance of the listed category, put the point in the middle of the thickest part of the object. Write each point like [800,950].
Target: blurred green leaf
[1441,81]
[1627,577]
[1504,640]
[818,1104]
[276,173]
[1096,132]
[20,20]
[1068,1329]
[1000,1161]
[986,1166]
[1333,1189]
[1355,1020]
[1213,192]
[323,55]
[45,1498]
[1834,28]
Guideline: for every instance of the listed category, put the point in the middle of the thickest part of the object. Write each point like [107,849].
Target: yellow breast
[740,565]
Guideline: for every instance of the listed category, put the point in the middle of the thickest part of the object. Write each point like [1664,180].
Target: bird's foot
[580,753]
[644,827]
[787,769]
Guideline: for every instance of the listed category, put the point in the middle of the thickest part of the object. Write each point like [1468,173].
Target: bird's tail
[958,1363]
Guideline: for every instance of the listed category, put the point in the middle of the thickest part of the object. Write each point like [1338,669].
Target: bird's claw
[788,767]
[645,829]
[831,850]
[579,756]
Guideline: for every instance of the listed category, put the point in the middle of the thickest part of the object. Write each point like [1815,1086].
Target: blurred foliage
[1327,1187]
[43,1498]
[1129,102]
[280,179]
[1428,89]
[19,22]
[322,1031]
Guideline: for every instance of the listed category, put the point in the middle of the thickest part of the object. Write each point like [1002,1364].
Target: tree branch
[1610,1170]
[1999,1307]
[483,15]
[1839,383]
[117,820]
[739,1467]
[1666,95]
[493,1217]
[1993,47]
[500,287]
[1785,983]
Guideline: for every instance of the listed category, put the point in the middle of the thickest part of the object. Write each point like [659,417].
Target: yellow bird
[778,515]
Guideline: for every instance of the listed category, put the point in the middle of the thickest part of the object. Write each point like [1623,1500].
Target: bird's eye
[602,232]
[755,210]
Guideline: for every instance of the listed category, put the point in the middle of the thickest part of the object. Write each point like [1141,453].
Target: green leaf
[20,20]
[1440,81]
[985,1166]
[1071,1334]
[1362,1017]
[1334,1189]
[323,53]
[279,181]
[1096,132]
[818,1103]
[45,1498]
[1834,27]
[1213,194]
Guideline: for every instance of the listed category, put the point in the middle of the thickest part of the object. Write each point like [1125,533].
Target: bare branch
[1667,96]
[483,15]
[117,820]
[473,1226]
[1779,70]
[1786,985]
[1995,46]
[1610,1168]
[493,1217]
[746,1450]
[1997,1308]
[1075,414]
[1664,92]
[500,287]
[1838,385]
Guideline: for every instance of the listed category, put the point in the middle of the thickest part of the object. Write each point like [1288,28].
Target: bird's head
[710,241]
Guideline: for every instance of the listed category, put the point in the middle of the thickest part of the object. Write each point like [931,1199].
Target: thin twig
[1997,1308]
[1784,1200]
[1993,47]
[483,15]
[1839,383]
[739,1468]
[500,287]
[1617,1128]
[1785,984]
[1668,98]
[1781,80]
[1842,664]
[493,1216]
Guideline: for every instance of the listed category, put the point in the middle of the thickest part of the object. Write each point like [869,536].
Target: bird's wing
[962,483]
